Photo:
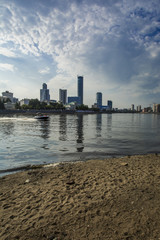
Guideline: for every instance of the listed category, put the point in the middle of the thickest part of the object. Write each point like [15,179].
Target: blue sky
[115,45]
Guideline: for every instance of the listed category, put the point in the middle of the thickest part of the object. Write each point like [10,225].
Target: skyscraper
[110,104]
[132,107]
[80,88]
[99,99]
[44,93]
[63,96]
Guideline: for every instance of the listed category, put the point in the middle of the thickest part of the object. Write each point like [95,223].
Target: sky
[114,44]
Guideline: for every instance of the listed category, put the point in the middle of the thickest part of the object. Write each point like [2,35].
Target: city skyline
[114,45]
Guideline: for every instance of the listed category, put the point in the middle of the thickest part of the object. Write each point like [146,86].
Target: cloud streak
[6,67]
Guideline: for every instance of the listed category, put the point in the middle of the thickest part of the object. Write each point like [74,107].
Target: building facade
[7,94]
[63,96]
[80,88]
[74,100]
[139,108]
[156,108]
[132,107]
[99,99]
[24,101]
[44,93]
[109,103]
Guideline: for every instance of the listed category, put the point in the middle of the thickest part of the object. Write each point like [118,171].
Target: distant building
[109,103]
[71,106]
[9,105]
[53,101]
[99,99]
[94,105]
[132,107]
[7,94]
[139,108]
[63,96]
[24,101]
[156,108]
[44,93]
[75,100]
[15,100]
[80,88]
[147,110]
[104,107]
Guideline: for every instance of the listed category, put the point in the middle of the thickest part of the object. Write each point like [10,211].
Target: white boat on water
[41,116]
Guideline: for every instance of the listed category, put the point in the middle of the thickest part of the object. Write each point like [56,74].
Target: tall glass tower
[63,96]
[99,99]
[80,88]
[44,93]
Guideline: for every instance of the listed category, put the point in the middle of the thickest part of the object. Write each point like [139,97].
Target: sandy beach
[117,198]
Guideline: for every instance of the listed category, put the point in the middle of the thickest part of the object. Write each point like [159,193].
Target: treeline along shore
[59,111]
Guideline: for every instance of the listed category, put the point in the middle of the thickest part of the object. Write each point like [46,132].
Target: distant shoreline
[34,111]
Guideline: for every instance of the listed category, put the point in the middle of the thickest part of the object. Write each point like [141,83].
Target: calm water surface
[25,140]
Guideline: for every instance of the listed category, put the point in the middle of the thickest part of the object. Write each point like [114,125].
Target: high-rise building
[132,107]
[80,88]
[63,96]
[109,103]
[139,108]
[99,99]
[44,93]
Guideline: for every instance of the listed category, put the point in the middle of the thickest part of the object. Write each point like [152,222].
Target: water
[24,140]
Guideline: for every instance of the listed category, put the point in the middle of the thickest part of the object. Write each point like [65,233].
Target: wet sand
[99,199]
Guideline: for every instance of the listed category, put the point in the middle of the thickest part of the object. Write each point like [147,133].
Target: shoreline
[34,111]
[117,198]
[28,167]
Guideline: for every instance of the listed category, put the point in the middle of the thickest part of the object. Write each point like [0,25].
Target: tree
[17,105]
[7,100]
[1,104]
[25,106]
[34,104]
[43,105]
[82,107]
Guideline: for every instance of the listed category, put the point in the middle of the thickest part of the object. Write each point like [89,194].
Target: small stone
[27,181]
[124,164]
[70,182]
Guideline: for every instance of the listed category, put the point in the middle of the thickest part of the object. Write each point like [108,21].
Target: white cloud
[7,52]
[45,70]
[6,67]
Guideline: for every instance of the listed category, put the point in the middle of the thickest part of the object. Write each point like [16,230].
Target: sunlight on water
[5,119]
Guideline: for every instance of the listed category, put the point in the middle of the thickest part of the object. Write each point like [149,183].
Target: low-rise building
[7,94]
[71,106]
[9,106]
[75,100]
[24,101]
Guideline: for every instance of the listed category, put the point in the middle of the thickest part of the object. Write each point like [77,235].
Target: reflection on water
[44,129]
[63,127]
[80,145]
[72,137]
[109,125]
[99,124]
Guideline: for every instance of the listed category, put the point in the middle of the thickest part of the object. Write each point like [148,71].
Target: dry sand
[99,199]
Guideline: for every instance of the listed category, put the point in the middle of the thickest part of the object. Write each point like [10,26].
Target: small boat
[41,116]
